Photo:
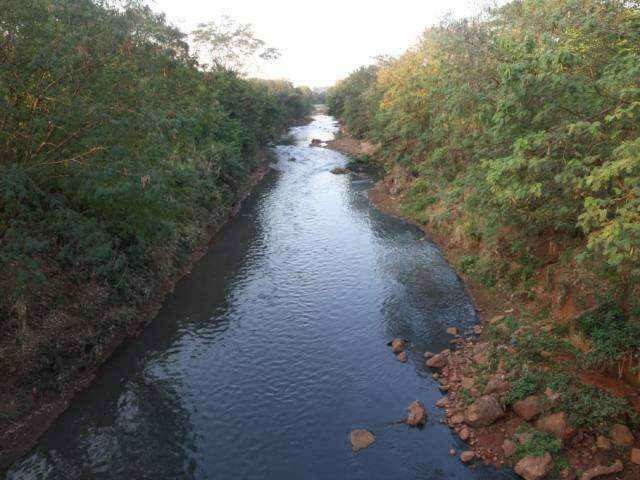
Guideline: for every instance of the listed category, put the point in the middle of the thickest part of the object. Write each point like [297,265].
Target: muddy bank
[20,436]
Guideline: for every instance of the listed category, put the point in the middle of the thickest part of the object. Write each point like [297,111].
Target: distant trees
[525,119]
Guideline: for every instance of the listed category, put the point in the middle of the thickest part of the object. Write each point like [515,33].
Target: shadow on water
[274,348]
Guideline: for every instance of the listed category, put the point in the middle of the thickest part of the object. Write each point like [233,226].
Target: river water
[275,347]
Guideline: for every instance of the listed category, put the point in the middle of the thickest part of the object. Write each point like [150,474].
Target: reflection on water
[274,348]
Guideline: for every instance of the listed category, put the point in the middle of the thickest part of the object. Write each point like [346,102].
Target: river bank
[526,424]
[19,436]
[263,360]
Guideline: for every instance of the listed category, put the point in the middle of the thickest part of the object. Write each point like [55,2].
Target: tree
[232,46]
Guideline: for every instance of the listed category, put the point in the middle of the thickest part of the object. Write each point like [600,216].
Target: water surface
[265,358]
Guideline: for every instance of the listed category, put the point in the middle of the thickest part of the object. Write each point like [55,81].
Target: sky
[323,41]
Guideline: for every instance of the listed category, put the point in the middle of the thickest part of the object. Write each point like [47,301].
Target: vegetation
[519,129]
[523,123]
[117,151]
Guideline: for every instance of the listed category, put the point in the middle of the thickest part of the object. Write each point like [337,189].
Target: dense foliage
[523,127]
[117,150]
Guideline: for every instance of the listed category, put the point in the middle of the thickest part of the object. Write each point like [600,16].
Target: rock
[635,456]
[361,438]
[340,171]
[428,355]
[603,443]
[528,408]
[457,419]
[497,384]
[497,319]
[316,141]
[534,468]
[292,159]
[402,357]
[477,329]
[452,452]
[467,383]
[417,414]
[621,436]
[465,434]
[484,411]
[453,331]
[397,345]
[467,456]
[556,425]
[442,403]
[508,447]
[437,361]
[600,470]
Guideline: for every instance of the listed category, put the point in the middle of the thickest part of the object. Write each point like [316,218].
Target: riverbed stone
[453,331]
[534,468]
[417,414]
[467,456]
[397,345]
[484,411]
[361,438]
[437,361]
[402,357]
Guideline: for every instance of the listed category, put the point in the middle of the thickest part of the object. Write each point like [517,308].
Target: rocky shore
[512,389]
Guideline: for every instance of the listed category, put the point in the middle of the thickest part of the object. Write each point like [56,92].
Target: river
[274,348]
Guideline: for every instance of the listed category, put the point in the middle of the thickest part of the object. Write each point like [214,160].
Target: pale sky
[321,42]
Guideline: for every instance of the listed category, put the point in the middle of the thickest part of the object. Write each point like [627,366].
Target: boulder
[534,468]
[402,357]
[508,448]
[555,424]
[397,345]
[528,408]
[361,438]
[437,361]
[464,434]
[417,414]
[484,411]
[497,384]
[600,470]
[428,355]
[467,456]
[453,331]
[635,456]
[621,436]
[340,171]
[442,403]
